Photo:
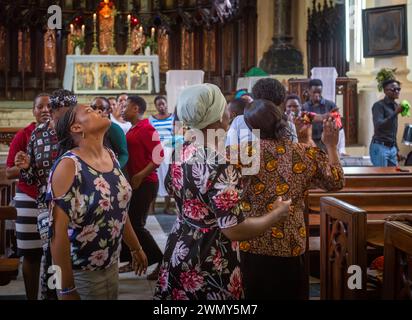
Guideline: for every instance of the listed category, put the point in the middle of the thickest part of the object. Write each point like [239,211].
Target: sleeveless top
[96,205]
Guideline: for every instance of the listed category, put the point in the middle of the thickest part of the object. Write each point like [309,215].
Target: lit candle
[71,28]
[128,18]
[94,18]
[153,32]
[141,29]
[83,30]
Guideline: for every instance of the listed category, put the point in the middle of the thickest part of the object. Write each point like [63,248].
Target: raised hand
[330,135]
[304,131]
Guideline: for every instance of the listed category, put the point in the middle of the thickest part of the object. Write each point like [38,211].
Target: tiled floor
[131,287]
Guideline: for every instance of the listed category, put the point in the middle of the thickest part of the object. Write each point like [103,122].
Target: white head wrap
[201,105]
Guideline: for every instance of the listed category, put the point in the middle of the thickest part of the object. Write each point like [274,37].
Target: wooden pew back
[371,202]
[397,279]
[371,184]
[343,243]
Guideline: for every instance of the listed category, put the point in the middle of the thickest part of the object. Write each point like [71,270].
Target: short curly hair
[269,89]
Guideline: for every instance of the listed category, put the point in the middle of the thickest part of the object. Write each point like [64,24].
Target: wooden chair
[397,277]
[8,267]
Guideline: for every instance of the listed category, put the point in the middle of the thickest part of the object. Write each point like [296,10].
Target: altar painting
[113,77]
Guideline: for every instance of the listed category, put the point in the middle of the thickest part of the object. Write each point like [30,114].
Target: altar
[112,74]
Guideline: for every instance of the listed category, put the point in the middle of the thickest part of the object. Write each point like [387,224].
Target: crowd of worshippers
[88,176]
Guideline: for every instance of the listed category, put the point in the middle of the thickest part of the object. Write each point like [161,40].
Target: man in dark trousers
[145,155]
[384,149]
[320,106]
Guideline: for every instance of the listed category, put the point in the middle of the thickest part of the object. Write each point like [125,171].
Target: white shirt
[239,132]
[124,125]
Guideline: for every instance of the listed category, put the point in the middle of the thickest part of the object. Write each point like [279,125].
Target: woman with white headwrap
[200,260]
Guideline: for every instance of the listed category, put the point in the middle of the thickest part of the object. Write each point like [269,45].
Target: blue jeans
[382,156]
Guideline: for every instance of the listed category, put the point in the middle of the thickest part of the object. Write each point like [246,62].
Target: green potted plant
[150,46]
[79,44]
[383,75]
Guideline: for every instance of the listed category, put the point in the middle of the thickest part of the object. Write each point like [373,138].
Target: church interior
[158,48]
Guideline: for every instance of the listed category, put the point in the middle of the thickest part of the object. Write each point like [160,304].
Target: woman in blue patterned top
[89,199]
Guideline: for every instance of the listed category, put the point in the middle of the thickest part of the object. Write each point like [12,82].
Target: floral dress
[200,262]
[97,205]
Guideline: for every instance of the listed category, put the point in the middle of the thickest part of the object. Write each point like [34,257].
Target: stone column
[282,57]
[282,21]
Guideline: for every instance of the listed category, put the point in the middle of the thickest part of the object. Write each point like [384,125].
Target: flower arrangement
[383,75]
[78,42]
[152,43]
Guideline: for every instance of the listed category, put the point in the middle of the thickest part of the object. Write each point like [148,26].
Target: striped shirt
[164,127]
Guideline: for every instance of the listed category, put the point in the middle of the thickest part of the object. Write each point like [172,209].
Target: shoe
[154,274]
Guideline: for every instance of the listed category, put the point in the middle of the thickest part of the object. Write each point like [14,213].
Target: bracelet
[67,291]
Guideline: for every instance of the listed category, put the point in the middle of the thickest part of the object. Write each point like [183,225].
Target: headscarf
[240,93]
[201,105]
[62,98]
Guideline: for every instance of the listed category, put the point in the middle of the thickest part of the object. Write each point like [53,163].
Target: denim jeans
[382,156]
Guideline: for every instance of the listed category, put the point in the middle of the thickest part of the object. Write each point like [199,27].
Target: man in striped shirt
[162,121]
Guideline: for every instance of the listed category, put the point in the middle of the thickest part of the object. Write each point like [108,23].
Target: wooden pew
[342,244]
[397,277]
[346,232]
[375,171]
[8,267]
[370,184]
[374,202]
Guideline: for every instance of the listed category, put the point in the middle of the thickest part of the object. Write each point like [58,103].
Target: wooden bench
[345,234]
[8,267]
[385,183]
[375,171]
[374,202]
[397,276]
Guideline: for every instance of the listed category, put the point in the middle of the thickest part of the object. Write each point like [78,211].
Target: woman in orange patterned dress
[286,170]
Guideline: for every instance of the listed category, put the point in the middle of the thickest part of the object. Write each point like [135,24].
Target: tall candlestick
[153,32]
[71,28]
[95,50]
[83,30]
[129,50]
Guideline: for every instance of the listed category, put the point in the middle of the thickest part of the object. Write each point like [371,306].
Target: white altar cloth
[328,77]
[71,60]
[177,80]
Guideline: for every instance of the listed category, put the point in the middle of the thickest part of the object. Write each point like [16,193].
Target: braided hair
[64,135]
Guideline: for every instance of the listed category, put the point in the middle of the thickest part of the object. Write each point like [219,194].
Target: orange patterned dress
[287,170]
